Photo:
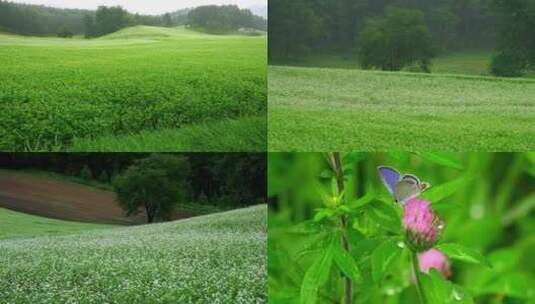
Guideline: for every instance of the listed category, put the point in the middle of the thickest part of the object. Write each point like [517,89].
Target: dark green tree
[65,32]
[167,21]
[516,51]
[155,184]
[392,42]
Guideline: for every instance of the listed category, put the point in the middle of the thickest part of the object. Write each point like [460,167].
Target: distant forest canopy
[225,18]
[38,20]
[301,27]
[232,179]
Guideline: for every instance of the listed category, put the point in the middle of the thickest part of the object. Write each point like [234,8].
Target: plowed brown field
[48,197]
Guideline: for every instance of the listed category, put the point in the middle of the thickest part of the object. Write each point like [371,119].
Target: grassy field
[465,62]
[227,135]
[138,80]
[313,109]
[19,225]
[219,258]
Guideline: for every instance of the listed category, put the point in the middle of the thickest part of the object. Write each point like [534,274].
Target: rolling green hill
[137,80]
[18,225]
[321,109]
[219,258]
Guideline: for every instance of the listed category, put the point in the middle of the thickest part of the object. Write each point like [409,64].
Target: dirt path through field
[48,197]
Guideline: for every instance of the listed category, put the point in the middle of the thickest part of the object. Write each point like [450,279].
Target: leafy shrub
[64,32]
[395,41]
[507,64]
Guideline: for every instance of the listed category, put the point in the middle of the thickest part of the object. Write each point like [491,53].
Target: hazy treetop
[143,6]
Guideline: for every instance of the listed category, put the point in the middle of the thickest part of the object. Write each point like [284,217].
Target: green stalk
[416,269]
[338,170]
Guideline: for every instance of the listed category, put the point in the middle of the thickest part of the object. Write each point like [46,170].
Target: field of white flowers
[219,258]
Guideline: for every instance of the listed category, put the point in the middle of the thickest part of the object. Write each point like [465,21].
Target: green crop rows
[53,91]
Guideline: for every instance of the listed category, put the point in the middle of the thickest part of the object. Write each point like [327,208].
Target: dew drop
[401,244]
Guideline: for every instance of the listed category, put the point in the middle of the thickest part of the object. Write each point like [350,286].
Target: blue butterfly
[402,187]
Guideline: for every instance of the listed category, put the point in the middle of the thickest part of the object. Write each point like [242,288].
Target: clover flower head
[423,226]
[434,258]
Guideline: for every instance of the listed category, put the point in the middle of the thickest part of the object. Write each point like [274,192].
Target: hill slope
[16,224]
[219,258]
[313,109]
[138,80]
[43,196]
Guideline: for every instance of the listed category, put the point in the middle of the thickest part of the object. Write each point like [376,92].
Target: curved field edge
[245,134]
[58,91]
[20,225]
[313,109]
[219,258]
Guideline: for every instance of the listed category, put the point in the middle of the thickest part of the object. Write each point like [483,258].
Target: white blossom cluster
[219,258]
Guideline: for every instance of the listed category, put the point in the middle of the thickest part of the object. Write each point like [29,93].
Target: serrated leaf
[345,262]
[316,276]
[462,253]
[383,257]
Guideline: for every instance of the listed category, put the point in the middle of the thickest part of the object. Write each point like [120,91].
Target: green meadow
[140,80]
[21,225]
[218,258]
[335,109]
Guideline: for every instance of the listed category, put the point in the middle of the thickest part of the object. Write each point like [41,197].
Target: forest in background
[39,20]
[226,179]
[302,28]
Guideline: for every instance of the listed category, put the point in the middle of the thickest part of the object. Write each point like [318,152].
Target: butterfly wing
[405,190]
[390,178]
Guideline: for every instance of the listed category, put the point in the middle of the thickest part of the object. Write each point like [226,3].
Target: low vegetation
[144,80]
[21,225]
[226,135]
[333,109]
[219,258]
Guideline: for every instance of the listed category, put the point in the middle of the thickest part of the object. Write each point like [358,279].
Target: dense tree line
[299,27]
[516,49]
[224,18]
[38,20]
[237,179]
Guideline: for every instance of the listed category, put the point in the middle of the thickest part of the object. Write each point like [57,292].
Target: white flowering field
[218,258]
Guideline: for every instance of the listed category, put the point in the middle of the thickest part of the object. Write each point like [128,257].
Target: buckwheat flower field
[219,258]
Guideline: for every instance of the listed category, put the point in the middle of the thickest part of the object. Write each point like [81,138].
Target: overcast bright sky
[143,6]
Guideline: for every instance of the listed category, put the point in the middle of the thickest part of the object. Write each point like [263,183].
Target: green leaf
[438,290]
[438,193]
[383,257]
[462,253]
[328,173]
[353,157]
[346,263]
[364,200]
[386,217]
[316,276]
[322,214]
[441,158]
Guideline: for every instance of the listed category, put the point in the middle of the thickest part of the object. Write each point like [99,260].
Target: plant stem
[416,270]
[339,173]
